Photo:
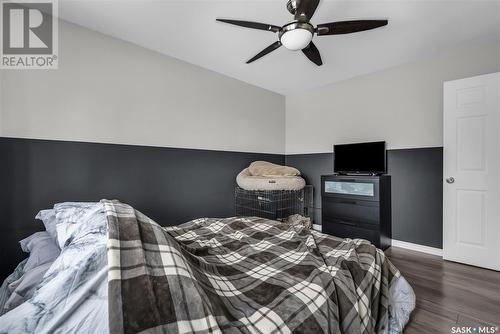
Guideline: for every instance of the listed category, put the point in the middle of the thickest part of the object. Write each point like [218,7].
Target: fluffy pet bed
[264,168]
[249,182]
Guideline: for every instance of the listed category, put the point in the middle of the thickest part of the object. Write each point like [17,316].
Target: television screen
[360,158]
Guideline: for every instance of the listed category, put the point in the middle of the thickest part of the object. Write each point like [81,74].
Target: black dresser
[357,207]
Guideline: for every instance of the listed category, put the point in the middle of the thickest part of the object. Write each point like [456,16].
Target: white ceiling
[187,30]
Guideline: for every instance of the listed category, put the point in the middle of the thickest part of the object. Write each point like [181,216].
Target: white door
[472,171]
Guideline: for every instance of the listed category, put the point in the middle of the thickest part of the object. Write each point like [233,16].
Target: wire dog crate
[274,204]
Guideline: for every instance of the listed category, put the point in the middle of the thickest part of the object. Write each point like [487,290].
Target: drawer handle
[348,202]
[343,222]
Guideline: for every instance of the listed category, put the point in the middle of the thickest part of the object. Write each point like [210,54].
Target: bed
[120,272]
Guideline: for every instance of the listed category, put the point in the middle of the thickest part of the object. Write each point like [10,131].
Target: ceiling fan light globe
[296,39]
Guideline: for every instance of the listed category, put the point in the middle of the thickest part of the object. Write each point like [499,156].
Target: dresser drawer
[356,188]
[343,229]
[365,212]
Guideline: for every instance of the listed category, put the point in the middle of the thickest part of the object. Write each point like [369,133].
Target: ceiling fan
[298,34]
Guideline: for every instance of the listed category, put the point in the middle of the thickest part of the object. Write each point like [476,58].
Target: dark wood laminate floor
[448,293]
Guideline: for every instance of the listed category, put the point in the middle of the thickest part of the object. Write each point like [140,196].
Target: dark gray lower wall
[173,185]
[417,190]
[169,185]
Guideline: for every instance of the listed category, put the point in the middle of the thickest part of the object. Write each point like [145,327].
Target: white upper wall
[402,105]
[111,91]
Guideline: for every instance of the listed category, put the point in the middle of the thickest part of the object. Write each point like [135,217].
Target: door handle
[450,180]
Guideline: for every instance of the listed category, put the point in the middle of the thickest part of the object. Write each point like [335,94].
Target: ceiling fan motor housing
[291,5]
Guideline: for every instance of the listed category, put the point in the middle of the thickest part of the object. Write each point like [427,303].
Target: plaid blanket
[241,275]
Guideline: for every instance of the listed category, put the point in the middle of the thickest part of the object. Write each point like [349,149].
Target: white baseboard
[417,248]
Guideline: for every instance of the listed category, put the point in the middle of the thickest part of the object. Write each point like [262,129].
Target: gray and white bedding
[23,282]
[72,295]
[209,275]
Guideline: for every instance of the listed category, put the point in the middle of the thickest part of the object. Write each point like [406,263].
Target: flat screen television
[360,158]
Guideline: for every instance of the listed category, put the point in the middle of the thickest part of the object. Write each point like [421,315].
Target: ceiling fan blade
[347,27]
[305,9]
[312,52]
[252,25]
[264,52]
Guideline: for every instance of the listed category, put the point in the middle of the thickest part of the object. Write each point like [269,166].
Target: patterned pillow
[75,218]
[48,217]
